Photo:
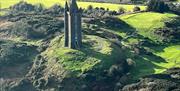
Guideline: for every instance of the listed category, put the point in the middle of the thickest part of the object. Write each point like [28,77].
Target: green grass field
[163,57]
[172,56]
[49,3]
[145,23]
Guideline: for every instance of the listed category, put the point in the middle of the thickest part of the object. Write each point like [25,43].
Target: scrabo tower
[72,25]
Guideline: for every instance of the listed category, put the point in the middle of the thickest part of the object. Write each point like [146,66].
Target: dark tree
[90,7]
[39,8]
[22,6]
[121,10]
[136,9]
[157,6]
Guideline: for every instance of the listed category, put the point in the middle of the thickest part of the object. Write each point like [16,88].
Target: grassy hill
[108,45]
[88,65]
[145,23]
[163,57]
[96,54]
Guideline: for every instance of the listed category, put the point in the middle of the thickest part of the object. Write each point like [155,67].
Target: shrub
[15,53]
[121,10]
[136,9]
[115,70]
[131,62]
[98,12]
[22,6]
[174,7]
[171,31]
[173,0]
[55,10]
[39,7]
[90,7]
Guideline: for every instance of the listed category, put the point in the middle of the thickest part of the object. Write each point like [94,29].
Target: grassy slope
[144,23]
[48,3]
[96,54]
[163,56]
[158,62]
[172,55]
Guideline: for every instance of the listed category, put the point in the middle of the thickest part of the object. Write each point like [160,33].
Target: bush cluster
[24,7]
[15,53]
[98,12]
[135,9]
[171,31]
[34,27]
[57,10]
[174,7]
[157,6]
[118,1]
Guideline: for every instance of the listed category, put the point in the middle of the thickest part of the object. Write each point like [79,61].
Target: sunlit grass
[172,56]
[96,53]
[146,22]
[159,61]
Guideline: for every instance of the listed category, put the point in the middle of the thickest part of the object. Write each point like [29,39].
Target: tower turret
[73,6]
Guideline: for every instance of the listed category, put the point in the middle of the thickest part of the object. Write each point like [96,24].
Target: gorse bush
[171,31]
[98,12]
[121,10]
[22,6]
[135,9]
[174,7]
[55,10]
[3,85]
[118,1]
[14,53]
[39,7]
[34,27]
[90,7]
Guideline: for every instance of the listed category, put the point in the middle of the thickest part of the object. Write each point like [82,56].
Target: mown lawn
[49,3]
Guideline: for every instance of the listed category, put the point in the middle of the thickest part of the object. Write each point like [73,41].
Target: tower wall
[79,31]
[66,29]
[72,40]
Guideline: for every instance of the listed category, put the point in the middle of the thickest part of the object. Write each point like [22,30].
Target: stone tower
[72,25]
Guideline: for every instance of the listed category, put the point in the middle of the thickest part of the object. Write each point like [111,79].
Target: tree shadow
[145,63]
[155,58]
[144,67]
[112,23]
